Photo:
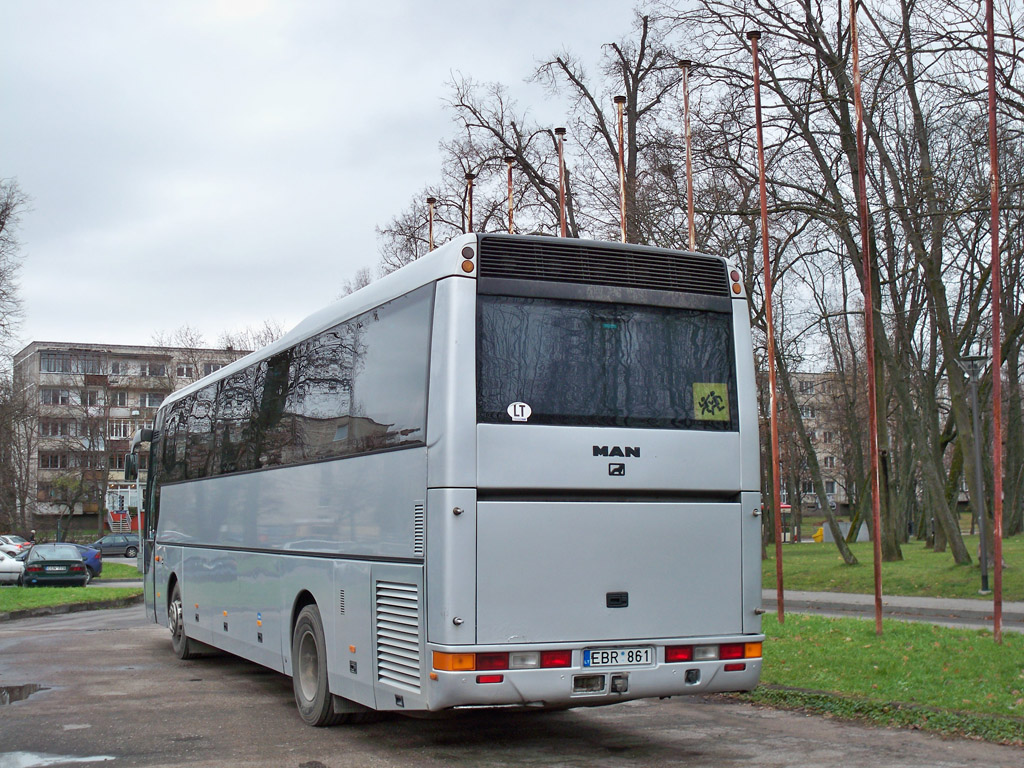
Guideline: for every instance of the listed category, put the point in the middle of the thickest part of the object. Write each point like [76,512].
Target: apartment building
[817,403]
[86,401]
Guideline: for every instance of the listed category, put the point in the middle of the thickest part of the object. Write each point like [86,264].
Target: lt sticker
[711,402]
[519,411]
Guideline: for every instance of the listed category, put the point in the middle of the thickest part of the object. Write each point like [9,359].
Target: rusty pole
[869,309]
[560,133]
[772,384]
[997,351]
[509,160]
[469,199]
[431,201]
[620,104]
[685,64]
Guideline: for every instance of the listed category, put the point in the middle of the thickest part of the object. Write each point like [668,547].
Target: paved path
[950,611]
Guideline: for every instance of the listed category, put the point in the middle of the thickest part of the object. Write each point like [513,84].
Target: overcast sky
[217,163]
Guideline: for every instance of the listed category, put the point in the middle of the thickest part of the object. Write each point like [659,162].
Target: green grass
[921,573]
[913,675]
[118,572]
[21,598]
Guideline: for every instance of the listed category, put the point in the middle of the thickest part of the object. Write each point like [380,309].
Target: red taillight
[490,678]
[34,569]
[735,667]
[491,661]
[731,651]
[549,659]
[679,653]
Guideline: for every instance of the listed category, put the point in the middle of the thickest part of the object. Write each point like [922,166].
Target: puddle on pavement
[39,759]
[12,693]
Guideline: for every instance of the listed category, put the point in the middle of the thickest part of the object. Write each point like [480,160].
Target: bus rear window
[581,363]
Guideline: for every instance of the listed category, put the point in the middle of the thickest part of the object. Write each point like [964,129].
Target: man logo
[617,470]
[629,452]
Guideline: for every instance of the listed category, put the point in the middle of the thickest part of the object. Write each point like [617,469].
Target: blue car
[93,560]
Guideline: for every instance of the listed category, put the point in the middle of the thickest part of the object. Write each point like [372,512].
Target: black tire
[131,552]
[184,648]
[309,671]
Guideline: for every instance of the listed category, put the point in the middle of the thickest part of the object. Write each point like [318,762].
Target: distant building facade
[86,401]
[816,400]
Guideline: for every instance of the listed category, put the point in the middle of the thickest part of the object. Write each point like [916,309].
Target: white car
[10,569]
[12,545]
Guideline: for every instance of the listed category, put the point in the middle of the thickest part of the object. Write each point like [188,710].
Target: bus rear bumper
[578,687]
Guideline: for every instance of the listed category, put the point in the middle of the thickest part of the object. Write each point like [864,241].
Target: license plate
[618,657]
[58,568]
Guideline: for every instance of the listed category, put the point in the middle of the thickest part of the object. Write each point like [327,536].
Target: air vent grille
[398,634]
[341,601]
[563,260]
[419,529]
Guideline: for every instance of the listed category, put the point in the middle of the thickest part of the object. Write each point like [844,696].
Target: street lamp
[974,367]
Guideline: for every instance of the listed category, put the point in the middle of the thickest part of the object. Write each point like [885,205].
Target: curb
[56,610]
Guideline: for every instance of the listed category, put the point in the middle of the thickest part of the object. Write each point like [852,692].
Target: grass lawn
[20,598]
[118,572]
[914,675]
[923,573]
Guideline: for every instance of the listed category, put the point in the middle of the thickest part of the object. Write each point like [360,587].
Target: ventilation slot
[398,634]
[419,529]
[341,601]
[562,260]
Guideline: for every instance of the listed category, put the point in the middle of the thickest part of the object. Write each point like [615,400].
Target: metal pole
[869,310]
[997,351]
[620,103]
[979,504]
[430,221]
[509,159]
[685,66]
[560,133]
[772,386]
[469,198]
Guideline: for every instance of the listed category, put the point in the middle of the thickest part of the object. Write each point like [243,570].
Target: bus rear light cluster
[725,651]
[467,259]
[488,662]
[736,287]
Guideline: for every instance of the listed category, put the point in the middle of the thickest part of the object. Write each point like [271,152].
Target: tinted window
[357,387]
[597,364]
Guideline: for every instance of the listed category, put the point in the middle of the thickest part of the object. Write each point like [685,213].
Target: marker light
[492,661]
[468,266]
[731,651]
[705,652]
[678,653]
[549,659]
[752,650]
[524,660]
[490,678]
[454,662]
[735,667]
[736,287]
[467,252]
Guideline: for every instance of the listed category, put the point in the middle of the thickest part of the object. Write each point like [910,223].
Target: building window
[49,396]
[53,460]
[150,399]
[830,486]
[154,369]
[807,486]
[90,397]
[119,399]
[55,362]
[209,368]
[827,437]
[829,462]
[185,371]
[806,387]
[115,367]
[807,411]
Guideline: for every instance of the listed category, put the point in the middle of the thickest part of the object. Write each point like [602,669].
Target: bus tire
[184,648]
[309,670]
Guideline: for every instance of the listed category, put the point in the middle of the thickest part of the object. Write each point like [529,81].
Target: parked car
[12,545]
[10,569]
[54,565]
[126,544]
[93,560]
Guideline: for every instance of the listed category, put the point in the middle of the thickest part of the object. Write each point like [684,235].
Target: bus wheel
[176,621]
[309,670]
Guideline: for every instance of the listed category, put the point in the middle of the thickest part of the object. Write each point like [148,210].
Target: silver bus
[518,472]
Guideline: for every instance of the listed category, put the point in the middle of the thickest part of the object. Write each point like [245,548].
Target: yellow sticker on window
[711,402]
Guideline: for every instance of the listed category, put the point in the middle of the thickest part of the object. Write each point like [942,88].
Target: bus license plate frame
[633,656]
